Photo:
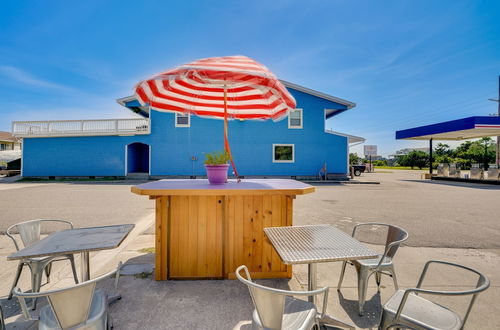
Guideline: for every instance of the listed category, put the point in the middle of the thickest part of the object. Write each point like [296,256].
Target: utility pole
[497,158]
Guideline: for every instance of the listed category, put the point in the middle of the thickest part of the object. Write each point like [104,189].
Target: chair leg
[394,279]
[73,267]
[363,275]
[48,269]
[342,272]
[36,282]
[16,279]
[378,279]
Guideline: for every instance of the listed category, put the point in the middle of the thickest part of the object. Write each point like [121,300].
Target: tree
[354,159]
[415,158]
[442,149]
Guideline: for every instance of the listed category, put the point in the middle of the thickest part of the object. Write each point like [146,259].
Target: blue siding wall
[172,148]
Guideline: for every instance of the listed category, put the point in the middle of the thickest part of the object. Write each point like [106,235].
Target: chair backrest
[70,305]
[482,284]
[395,234]
[29,231]
[269,303]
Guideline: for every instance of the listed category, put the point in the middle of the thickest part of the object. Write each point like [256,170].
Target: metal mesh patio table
[314,244]
[78,240]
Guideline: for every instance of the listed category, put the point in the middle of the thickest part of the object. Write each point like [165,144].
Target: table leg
[85,267]
[85,275]
[325,319]
[311,280]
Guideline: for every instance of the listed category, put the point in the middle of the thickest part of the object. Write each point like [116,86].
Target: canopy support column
[430,156]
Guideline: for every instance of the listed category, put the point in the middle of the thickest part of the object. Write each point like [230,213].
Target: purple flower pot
[217,174]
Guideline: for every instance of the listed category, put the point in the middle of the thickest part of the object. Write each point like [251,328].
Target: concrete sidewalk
[226,304]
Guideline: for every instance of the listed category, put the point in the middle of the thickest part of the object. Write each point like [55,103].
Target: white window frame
[284,145]
[182,125]
[301,119]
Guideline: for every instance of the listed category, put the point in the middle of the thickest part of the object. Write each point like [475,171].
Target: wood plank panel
[276,222]
[161,239]
[257,234]
[192,243]
[267,221]
[238,233]
[196,237]
[202,237]
[247,230]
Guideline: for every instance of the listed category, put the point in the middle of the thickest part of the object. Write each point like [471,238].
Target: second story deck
[31,129]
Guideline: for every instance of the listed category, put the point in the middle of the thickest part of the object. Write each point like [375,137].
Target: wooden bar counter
[206,231]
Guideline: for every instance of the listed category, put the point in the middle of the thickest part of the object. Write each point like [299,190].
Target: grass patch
[147,250]
[143,275]
[398,168]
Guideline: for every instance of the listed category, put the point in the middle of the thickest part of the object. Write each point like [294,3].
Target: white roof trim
[351,138]
[125,99]
[348,104]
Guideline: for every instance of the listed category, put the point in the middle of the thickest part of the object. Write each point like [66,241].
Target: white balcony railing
[80,127]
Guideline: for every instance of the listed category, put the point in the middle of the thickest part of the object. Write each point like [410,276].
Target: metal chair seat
[422,313]
[298,314]
[97,318]
[373,263]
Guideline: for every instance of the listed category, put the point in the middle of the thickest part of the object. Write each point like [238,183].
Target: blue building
[161,144]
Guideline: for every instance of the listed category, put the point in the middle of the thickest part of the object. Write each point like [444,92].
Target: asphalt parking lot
[436,214]
[86,204]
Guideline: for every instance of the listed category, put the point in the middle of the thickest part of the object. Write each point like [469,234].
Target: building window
[295,119]
[283,153]
[182,120]
[3,146]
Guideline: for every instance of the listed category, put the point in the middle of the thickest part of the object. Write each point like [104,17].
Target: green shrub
[217,158]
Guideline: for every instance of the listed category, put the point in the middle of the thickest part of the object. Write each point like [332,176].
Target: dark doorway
[137,158]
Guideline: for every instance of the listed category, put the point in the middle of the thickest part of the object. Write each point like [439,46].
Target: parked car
[358,169]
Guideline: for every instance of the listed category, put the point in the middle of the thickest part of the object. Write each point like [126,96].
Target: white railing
[80,127]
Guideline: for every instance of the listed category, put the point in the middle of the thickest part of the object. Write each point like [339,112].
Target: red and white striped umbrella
[221,87]
[201,88]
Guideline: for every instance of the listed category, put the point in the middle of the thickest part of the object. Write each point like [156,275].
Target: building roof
[132,103]
[460,129]
[350,138]
[348,104]
[7,136]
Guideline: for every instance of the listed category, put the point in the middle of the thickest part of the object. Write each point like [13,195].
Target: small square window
[295,119]
[182,120]
[283,153]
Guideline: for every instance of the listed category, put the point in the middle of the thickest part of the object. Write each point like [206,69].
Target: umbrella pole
[226,141]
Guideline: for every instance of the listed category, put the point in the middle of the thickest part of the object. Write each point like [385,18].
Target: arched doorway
[137,158]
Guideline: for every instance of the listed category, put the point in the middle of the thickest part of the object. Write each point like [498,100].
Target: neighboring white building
[406,151]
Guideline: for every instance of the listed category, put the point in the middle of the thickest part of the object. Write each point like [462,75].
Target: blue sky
[405,63]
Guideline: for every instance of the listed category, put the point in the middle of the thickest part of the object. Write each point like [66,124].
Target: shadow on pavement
[372,308]
[457,184]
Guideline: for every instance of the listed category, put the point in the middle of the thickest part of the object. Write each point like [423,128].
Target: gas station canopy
[460,129]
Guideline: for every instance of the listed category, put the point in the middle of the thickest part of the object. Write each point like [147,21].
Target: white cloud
[28,79]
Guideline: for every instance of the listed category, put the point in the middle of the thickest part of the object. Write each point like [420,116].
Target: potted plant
[217,166]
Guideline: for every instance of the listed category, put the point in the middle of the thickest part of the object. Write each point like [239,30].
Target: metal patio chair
[2,323]
[408,309]
[381,265]
[29,232]
[277,309]
[76,307]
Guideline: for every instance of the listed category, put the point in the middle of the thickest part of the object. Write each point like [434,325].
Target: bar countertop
[232,187]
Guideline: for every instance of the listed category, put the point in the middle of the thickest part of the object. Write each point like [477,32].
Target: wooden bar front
[206,232]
